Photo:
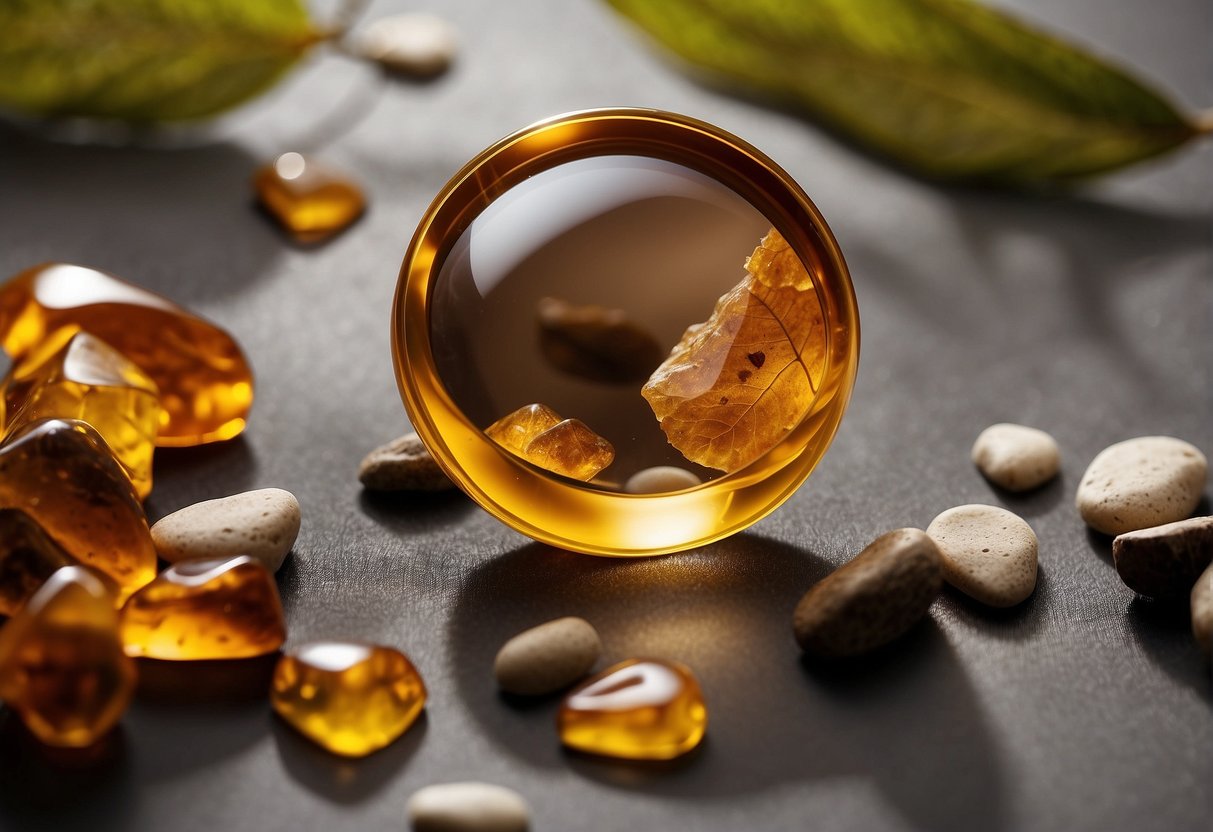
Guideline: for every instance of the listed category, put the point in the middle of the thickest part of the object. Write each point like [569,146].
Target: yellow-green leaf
[145,60]
[950,88]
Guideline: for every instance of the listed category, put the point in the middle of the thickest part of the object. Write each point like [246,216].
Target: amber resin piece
[735,385]
[62,668]
[538,435]
[310,200]
[348,697]
[205,383]
[641,709]
[79,376]
[28,557]
[62,474]
[222,608]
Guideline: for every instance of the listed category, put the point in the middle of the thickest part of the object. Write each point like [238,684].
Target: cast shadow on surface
[410,512]
[906,718]
[1020,622]
[183,476]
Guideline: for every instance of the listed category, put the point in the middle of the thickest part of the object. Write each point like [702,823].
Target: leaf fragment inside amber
[311,200]
[567,447]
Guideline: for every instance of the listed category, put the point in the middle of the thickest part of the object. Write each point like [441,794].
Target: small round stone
[1202,611]
[262,524]
[547,658]
[988,553]
[1163,562]
[872,600]
[1140,483]
[1016,457]
[660,479]
[420,45]
[468,807]
[403,464]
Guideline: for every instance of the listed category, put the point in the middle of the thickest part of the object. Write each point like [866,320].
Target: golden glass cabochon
[578,516]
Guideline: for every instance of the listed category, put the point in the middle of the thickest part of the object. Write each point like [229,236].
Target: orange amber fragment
[537,434]
[206,385]
[27,558]
[62,474]
[81,377]
[347,697]
[62,668]
[312,201]
[225,608]
[641,709]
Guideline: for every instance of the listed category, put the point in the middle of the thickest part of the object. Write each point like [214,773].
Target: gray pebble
[878,596]
[1141,483]
[988,553]
[414,44]
[547,658]
[468,807]
[1016,457]
[1202,611]
[1164,562]
[262,524]
[403,464]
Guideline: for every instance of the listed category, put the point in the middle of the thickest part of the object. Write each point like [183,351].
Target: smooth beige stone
[417,44]
[1202,611]
[988,553]
[883,592]
[468,807]
[1141,483]
[661,479]
[1016,457]
[547,658]
[403,464]
[262,524]
[1164,561]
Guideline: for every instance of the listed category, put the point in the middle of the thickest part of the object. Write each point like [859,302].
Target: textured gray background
[1087,315]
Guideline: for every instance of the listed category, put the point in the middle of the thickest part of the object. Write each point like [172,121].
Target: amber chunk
[347,697]
[537,434]
[206,386]
[28,557]
[224,608]
[62,474]
[596,343]
[81,377]
[641,709]
[62,668]
[311,200]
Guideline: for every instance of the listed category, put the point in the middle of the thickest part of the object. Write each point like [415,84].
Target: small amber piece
[311,200]
[81,377]
[347,697]
[27,558]
[62,668]
[206,386]
[537,434]
[596,343]
[62,474]
[223,608]
[641,709]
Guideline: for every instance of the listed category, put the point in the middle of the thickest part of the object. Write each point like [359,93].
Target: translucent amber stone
[205,383]
[349,698]
[62,474]
[642,709]
[537,434]
[27,558]
[62,668]
[81,377]
[224,608]
[312,201]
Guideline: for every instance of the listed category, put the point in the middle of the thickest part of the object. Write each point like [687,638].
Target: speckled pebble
[547,658]
[1202,611]
[1141,483]
[660,479]
[1163,562]
[403,464]
[988,553]
[878,596]
[468,807]
[1016,457]
[262,524]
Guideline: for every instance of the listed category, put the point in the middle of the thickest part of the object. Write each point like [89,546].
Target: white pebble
[988,553]
[1141,483]
[421,45]
[1016,457]
[661,479]
[468,807]
[262,524]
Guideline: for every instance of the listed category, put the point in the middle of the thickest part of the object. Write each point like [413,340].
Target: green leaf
[949,88]
[145,60]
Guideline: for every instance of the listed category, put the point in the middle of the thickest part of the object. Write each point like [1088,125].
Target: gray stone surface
[1087,316]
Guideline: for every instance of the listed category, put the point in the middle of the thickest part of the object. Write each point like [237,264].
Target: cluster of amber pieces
[567,447]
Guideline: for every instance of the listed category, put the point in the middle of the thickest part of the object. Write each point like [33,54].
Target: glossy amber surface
[205,382]
[79,376]
[225,608]
[62,668]
[348,697]
[62,474]
[28,557]
[310,200]
[641,709]
[568,447]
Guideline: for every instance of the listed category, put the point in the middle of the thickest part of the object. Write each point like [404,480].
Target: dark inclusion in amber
[28,557]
